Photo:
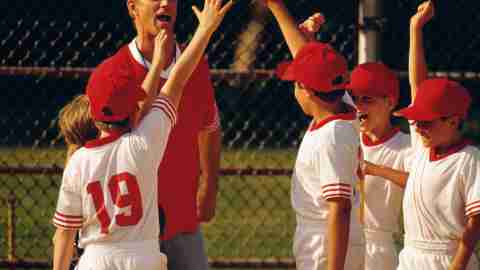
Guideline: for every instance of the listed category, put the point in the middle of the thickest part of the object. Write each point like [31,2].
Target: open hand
[312,25]
[212,14]
[160,51]
[425,13]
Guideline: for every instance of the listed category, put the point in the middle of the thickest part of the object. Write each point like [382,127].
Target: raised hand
[312,25]
[212,14]
[425,13]
[160,54]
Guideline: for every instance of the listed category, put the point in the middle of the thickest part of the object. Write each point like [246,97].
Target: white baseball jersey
[383,200]
[109,187]
[325,168]
[441,192]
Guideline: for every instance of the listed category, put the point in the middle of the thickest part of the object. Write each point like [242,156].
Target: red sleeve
[211,118]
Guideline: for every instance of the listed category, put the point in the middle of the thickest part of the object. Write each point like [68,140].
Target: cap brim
[285,71]
[416,113]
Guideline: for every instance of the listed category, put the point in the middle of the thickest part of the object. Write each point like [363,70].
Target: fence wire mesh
[262,125]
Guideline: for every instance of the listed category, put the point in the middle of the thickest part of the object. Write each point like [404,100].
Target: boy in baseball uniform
[108,189]
[375,91]
[441,204]
[326,236]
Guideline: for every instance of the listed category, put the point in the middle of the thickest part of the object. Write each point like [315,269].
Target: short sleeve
[471,185]
[337,163]
[211,117]
[68,214]
[152,133]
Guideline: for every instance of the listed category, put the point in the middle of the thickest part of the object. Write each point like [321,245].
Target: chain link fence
[48,47]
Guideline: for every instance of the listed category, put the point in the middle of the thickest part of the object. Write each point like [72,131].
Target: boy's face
[304,98]
[373,112]
[437,132]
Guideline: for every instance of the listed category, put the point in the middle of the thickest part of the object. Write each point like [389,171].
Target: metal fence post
[11,201]
[369,34]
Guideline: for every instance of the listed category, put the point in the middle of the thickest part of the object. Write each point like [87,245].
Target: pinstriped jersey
[109,187]
[325,168]
[441,192]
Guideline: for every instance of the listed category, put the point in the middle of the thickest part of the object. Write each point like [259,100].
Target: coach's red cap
[438,98]
[374,80]
[112,93]
[318,66]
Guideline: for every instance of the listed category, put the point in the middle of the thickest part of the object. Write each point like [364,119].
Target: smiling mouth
[164,18]
[362,117]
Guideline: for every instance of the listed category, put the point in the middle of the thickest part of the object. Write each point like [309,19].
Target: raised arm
[417,66]
[209,19]
[292,34]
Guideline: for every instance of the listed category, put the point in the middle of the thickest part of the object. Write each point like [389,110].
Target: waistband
[433,247]
[100,249]
[375,235]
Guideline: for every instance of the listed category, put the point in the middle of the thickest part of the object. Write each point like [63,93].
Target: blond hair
[76,124]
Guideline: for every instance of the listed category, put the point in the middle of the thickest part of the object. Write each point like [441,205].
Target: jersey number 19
[132,198]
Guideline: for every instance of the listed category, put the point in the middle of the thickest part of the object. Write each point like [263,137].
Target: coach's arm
[209,145]
[63,248]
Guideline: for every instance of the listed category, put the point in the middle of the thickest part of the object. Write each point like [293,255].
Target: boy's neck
[322,113]
[379,132]
[455,139]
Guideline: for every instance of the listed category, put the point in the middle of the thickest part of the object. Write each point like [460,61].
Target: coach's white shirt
[325,168]
[383,200]
[109,187]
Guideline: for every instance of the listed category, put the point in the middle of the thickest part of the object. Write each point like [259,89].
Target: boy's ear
[454,121]
[131,8]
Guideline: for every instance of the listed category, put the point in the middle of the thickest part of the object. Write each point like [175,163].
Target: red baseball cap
[112,93]
[374,80]
[438,98]
[318,66]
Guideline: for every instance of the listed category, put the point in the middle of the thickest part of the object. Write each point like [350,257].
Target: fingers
[226,7]
[196,11]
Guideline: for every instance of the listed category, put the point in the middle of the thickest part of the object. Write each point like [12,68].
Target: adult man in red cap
[442,197]
[109,186]
[326,236]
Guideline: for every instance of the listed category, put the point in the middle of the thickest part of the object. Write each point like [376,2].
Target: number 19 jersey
[109,187]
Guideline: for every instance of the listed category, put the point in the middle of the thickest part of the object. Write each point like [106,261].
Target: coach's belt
[375,235]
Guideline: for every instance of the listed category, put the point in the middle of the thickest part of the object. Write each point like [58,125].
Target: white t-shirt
[383,199]
[325,168]
[441,192]
[109,187]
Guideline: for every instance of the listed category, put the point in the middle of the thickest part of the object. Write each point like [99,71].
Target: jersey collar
[137,55]
[434,156]
[341,116]
[105,140]
[368,142]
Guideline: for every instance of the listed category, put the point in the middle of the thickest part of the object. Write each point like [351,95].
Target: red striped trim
[58,225]
[166,113]
[472,209]
[167,105]
[336,184]
[164,105]
[67,216]
[167,100]
[336,196]
[70,221]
